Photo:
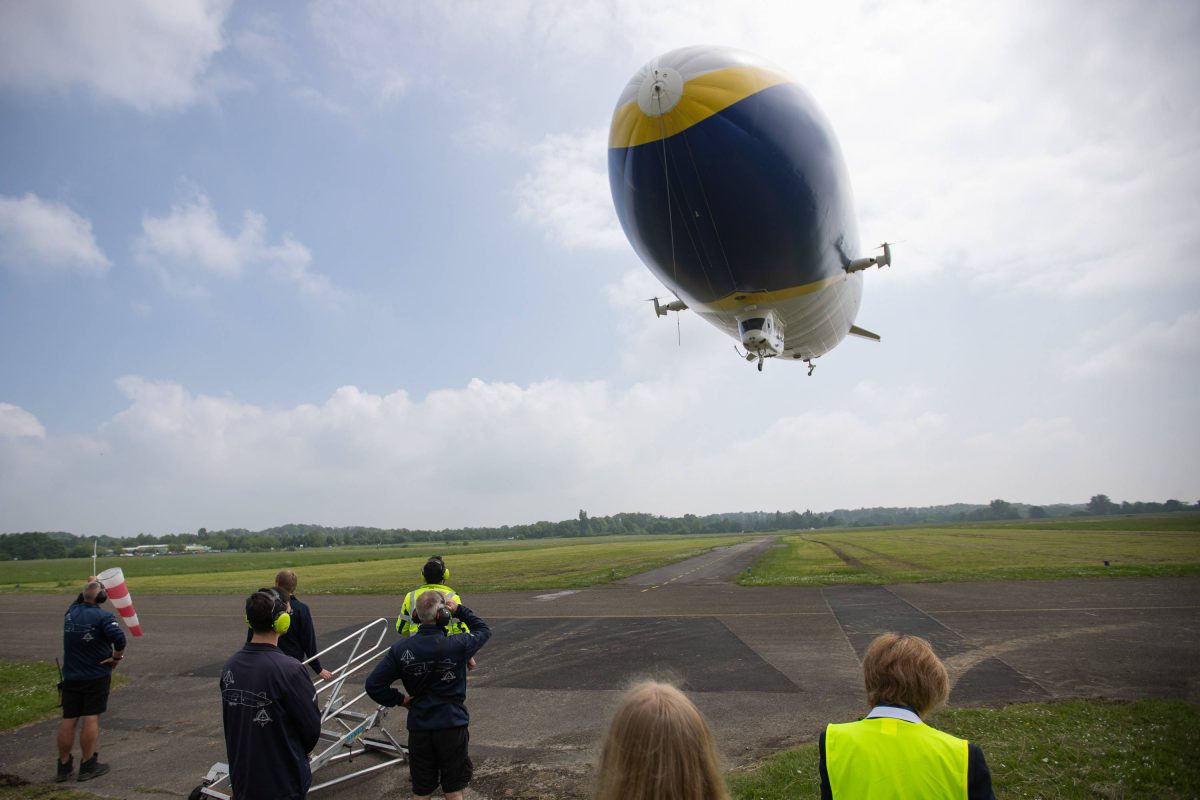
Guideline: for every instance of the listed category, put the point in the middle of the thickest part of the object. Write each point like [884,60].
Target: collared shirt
[895,712]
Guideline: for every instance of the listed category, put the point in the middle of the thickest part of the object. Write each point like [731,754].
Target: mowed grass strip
[909,555]
[570,563]
[66,570]
[29,692]
[1065,750]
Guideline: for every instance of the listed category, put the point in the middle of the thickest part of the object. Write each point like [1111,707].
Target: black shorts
[85,698]
[439,757]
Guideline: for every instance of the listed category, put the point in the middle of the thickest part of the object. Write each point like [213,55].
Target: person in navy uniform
[93,644]
[300,640]
[433,668]
[269,709]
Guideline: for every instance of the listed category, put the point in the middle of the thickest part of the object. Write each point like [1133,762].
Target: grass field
[1022,550]
[491,567]
[28,694]
[1146,546]
[1067,751]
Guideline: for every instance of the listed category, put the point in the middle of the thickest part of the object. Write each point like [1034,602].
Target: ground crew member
[433,668]
[300,642]
[435,572]
[892,754]
[93,645]
[269,710]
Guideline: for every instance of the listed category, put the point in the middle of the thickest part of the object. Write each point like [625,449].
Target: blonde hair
[659,745]
[903,670]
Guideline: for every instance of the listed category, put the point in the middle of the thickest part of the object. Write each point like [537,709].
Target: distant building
[144,550]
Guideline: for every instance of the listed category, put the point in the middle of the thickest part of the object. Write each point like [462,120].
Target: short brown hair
[899,669]
[659,745]
[286,580]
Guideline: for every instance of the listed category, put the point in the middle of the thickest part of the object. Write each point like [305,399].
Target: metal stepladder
[345,731]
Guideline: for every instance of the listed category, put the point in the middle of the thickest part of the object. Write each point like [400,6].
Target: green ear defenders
[281,620]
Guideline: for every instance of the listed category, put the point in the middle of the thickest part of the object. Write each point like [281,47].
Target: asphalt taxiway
[769,666]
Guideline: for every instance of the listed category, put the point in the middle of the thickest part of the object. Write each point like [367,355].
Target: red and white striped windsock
[113,581]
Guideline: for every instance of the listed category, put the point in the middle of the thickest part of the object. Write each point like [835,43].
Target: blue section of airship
[753,198]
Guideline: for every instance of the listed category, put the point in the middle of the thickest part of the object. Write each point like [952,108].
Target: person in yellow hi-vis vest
[435,573]
[891,754]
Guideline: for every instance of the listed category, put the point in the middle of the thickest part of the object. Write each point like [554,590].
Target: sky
[357,263]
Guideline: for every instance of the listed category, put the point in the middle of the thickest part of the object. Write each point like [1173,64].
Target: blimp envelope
[728,180]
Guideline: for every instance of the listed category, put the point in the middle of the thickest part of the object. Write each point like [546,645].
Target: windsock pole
[93,556]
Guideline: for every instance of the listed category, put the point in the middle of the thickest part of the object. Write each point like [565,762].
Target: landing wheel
[197,793]
[760,363]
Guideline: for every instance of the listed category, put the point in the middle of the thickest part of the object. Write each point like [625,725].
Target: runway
[768,666]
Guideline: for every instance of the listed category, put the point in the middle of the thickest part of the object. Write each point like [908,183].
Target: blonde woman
[659,746]
[892,754]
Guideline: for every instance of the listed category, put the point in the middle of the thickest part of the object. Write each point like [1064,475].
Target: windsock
[113,581]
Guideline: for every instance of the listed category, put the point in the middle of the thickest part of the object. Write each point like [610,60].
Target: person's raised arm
[480,632]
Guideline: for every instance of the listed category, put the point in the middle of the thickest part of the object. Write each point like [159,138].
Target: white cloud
[1134,348]
[567,195]
[489,453]
[43,238]
[16,422]
[1061,171]
[143,53]
[189,243]
[986,170]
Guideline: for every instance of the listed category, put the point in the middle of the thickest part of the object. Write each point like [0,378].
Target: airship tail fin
[864,333]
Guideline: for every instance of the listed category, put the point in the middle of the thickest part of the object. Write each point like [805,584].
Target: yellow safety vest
[407,626]
[890,759]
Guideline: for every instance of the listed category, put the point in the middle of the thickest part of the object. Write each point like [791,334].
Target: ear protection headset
[281,620]
[441,565]
[441,617]
[101,596]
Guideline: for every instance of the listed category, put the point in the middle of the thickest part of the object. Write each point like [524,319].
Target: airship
[731,187]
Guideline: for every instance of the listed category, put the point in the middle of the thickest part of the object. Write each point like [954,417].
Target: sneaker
[92,768]
[65,770]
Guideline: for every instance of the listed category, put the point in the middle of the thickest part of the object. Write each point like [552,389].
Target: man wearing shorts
[93,644]
[433,668]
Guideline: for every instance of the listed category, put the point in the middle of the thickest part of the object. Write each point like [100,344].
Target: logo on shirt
[262,717]
[407,657]
[244,697]
[227,679]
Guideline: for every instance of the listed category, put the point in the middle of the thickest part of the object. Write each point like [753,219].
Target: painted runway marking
[960,664]
[1056,610]
[555,595]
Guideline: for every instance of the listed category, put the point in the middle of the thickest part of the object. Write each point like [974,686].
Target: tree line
[61,544]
